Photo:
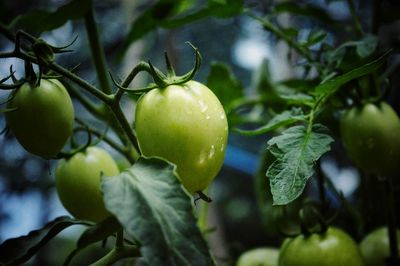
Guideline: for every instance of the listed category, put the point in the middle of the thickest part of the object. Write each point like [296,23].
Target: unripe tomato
[371,137]
[43,119]
[332,248]
[185,124]
[375,247]
[264,256]
[78,183]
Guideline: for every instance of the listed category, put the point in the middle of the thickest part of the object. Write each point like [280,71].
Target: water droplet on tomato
[203,157]
[222,147]
[212,152]
[203,106]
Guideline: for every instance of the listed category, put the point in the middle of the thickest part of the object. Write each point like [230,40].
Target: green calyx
[170,78]
[161,80]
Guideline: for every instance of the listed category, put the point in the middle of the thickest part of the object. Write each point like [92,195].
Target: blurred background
[240,217]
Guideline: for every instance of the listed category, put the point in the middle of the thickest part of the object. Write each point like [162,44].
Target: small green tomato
[78,183]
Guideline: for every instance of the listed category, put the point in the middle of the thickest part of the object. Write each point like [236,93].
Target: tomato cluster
[185,124]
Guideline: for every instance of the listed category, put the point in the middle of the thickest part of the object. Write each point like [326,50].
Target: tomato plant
[375,247]
[371,137]
[333,247]
[43,118]
[331,67]
[78,183]
[263,256]
[187,125]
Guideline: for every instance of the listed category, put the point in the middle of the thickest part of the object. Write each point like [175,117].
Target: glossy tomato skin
[185,124]
[334,247]
[78,183]
[43,119]
[263,256]
[371,137]
[375,247]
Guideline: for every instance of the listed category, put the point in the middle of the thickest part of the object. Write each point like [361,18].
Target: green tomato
[78,183]
[371,137]
[185,124]
[264,256]
[375,247]
[43,119]
[332,248]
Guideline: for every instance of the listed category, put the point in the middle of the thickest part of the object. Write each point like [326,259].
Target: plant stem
[142,66]
[97,52]
[321,186]
[356,19]
[86,102]
[117,254]
[6,32]
[376,16]
[203,214]
[81,82]
[120,239]
[121,149]
[391,221]
[275,30]
[121,118]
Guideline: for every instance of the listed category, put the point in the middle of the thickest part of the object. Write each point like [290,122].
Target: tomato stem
[376,16]
[321,187]
[393,260]
[116,146]
[119,242]
[356,19]
[98,56]
[290,41]
[203,215]
[117,254]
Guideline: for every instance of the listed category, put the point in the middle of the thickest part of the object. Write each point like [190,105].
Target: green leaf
[170,14]
[149,202]
[331,86]
[224,84]
[150,19]
[225,8]
[7,110]
[299,84]
[263,80]
[315,36]
[296,98]
[286,118]
[43,20]
[308,10]
[296,151]
[93,234]
[290,32]
[367,46]
[267,88]
[18,250]
[99,232]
